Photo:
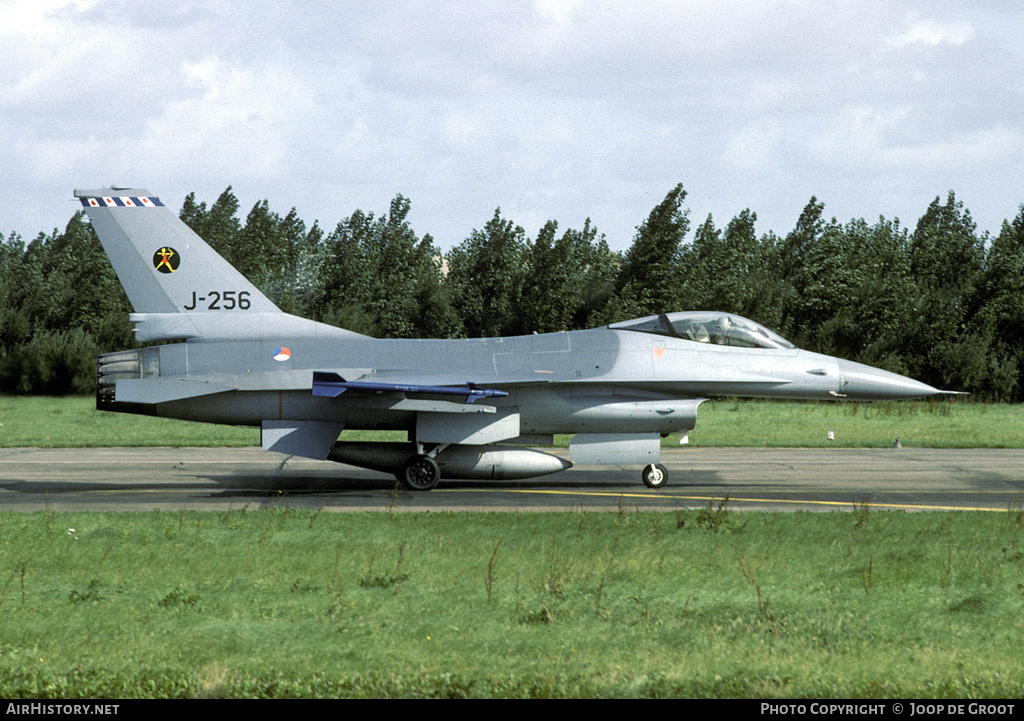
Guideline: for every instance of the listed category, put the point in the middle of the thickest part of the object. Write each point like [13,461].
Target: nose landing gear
[655,476]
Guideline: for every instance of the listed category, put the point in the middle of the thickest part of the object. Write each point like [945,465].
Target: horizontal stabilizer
[307,439]
[332,385]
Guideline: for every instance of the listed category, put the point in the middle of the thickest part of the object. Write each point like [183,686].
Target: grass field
[74,422]
[704,603]
[698,603]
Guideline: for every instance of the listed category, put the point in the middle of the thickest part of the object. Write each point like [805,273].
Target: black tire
[655,476]
[420,473]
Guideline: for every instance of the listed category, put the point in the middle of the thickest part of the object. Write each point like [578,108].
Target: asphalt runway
[779,479]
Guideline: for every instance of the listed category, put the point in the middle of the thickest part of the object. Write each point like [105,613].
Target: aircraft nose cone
[862,382]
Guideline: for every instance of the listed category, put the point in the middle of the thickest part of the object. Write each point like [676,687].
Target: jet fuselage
[243,361]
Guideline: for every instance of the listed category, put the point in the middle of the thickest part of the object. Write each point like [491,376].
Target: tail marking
[127,201]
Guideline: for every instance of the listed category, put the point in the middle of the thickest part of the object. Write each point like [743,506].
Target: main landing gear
[655,476]
[420,473]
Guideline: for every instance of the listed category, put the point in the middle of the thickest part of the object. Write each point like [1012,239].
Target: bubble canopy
[707,327]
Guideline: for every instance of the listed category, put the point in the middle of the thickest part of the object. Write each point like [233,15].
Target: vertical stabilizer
[162,264]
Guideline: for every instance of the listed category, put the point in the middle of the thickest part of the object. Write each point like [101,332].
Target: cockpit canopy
[707,327]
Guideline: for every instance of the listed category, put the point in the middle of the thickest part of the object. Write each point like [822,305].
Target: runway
[142,479]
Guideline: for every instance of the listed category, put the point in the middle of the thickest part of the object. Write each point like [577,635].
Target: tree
[566,279]
[61,305]
[809,227]
[875,315]
[649,277]
[946,260]
[380,280]
[1004,283]
[218,226]
[1002,309]
[485,276]
[269,249]
[724,271]
[789,260]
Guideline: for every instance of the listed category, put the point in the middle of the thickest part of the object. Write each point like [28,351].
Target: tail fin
[162,264]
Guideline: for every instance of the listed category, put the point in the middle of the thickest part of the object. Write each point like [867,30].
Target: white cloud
[987,148]
[237,120]
[931,33]
[37,18]
[551,109]
[753,147]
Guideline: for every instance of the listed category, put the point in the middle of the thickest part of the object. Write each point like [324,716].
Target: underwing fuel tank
[498,463]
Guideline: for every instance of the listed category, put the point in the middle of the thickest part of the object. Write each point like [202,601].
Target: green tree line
[938,302]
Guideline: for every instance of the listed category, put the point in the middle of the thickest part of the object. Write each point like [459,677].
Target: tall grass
[74,422]
[935,424]
[706,602]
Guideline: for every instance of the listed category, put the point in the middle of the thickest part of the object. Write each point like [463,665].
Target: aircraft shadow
[277,484]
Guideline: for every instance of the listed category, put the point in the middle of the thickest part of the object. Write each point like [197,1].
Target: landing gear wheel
[420,473]
[655,476]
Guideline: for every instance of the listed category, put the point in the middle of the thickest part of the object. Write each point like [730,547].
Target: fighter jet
[475,408]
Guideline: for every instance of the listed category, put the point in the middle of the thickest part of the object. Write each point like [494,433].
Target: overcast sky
[550,109]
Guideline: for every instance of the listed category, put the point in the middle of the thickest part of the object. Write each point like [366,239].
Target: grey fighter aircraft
[472,408]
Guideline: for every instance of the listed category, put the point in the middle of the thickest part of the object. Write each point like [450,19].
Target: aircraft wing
[437,420]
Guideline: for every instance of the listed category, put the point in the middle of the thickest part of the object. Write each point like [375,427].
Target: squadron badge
[166,259]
